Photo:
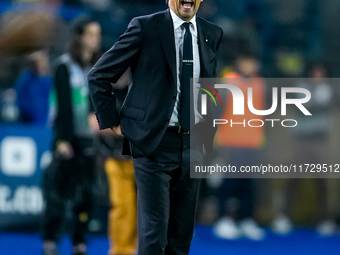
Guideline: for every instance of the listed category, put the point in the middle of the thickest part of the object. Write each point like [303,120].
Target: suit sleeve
[220,40]
[208,137]
[109,68]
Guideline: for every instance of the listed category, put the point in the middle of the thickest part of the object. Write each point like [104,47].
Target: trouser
[243,189]
[68,182]
[309,152]
[123,213]
[166,197]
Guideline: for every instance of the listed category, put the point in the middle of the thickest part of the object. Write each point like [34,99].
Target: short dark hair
[318,64]
[79,24]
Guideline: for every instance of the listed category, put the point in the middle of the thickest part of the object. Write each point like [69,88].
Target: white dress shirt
[179,32]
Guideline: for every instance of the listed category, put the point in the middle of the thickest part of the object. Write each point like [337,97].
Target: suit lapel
[167,37]
[206,54]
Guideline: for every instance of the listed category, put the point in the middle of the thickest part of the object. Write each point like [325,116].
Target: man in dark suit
[164,50]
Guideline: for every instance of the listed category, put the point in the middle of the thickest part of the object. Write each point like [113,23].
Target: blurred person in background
[122,229]
[23,36]
[33,89]
[242,146]
[68,179]
[311,147]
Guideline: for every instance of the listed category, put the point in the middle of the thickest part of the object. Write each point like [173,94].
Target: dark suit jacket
[148,48]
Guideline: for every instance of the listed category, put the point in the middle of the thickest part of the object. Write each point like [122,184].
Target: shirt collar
[177,21]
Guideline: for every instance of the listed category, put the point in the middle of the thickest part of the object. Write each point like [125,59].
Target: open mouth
[187,4]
